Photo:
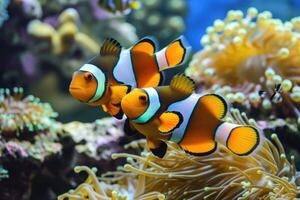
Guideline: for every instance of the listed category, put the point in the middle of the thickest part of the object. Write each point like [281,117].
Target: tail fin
[241,140]
[174,54]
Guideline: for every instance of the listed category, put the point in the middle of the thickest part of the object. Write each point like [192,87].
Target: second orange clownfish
[109,76]
[191,120]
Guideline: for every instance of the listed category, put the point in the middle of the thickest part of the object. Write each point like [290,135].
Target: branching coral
[65,36]
[266,174]
[20,116]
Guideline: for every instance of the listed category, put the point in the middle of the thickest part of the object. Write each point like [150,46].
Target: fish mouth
[75,88]
[126,106]
[76,92]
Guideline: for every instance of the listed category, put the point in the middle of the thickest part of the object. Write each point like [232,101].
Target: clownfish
[119,6]
[105,79]
[193,121]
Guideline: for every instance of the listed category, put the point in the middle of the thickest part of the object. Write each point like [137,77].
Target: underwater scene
[149,99]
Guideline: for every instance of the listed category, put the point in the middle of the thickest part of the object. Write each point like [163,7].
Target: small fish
[109,76]
[276,96]
[122,7]
[191,120]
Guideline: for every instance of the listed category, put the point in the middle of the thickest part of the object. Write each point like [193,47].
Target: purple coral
[15,149]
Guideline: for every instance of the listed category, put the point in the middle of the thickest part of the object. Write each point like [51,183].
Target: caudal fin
[174,54]
[241,140]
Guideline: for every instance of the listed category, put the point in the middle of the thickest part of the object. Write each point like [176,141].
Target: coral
[41,147]
[243,55]
[23,116]
[266,174]
[98,139]
[162,19]
[30,139]
[3,11]
[66,34]
[3,173]
[32,8]
[256,50]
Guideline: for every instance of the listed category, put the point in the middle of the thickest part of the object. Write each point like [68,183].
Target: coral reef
[65,36]
[243,55]
[29,137]
[266,174]
[248,51]
[49,41]
[97,139]
[21,117]
[162,19]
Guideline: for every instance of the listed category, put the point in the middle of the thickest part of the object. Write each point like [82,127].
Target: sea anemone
[241,50]
[23,117]
[266,174]
[247,59]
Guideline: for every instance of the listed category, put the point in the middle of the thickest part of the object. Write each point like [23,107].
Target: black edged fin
[169,121]
[215,104]
[202,153]
[128,128]
[119,115]
[148,45]
[183,84]
[110,47]
[161,150]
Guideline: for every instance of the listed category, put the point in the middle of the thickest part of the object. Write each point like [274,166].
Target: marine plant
[21,117]
[266,174]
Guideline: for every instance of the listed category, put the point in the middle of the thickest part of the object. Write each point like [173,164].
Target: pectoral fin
[169,121]
[118,92]
[157,147]
[113,109]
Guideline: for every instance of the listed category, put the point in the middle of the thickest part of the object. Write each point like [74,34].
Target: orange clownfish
[105,79]
[191,120]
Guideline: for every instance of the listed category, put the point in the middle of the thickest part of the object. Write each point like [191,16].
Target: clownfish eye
[143,98]
[88,76]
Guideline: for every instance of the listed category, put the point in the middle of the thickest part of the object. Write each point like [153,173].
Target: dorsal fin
[183,84]
[147,45]
[110,47]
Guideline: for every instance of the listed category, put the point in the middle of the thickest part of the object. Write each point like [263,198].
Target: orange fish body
[191,120]
[110,76]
